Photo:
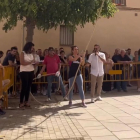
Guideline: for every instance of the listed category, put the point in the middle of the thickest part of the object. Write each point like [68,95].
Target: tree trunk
[30,25]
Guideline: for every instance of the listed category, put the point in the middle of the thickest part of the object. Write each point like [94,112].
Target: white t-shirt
[37,59]
[27,58]
[96,64]
[131,57]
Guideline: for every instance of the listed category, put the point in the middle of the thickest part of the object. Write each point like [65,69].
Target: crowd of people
[54,63]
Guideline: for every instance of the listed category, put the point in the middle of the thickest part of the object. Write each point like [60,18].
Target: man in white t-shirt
[96,60]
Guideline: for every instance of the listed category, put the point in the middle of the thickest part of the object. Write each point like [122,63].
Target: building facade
[120,31]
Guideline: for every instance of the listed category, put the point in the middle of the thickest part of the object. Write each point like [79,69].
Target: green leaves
[47,14]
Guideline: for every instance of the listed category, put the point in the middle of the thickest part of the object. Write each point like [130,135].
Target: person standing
[124,61]
[76,60]
[115,58]
[10,58]
[53,66]
[45,52]
[8,51]
[37,60]
[137,69]
[130,67]
[39,52]
[129,54]
[63,60]
[87,56]
[107,67]
[27,62]
[1,54]
[96,60]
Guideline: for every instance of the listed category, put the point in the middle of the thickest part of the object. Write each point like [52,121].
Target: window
[66,36]
[119,2]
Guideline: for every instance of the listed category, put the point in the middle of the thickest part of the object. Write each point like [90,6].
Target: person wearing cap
[53,65]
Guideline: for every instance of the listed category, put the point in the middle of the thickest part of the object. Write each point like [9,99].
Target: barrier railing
[9,77]
[129,72]
[118,72]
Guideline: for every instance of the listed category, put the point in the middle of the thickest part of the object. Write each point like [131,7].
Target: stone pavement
[117,117]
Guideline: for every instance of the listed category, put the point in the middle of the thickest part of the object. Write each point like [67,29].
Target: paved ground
[117,117]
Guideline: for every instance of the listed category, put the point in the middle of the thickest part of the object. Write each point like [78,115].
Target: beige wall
[133,3]
[45,40]
[121,31]
[11,38]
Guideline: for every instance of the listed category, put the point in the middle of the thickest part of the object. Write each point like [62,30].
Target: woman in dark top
[76,60]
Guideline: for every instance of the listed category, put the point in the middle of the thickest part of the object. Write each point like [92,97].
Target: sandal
[21,106]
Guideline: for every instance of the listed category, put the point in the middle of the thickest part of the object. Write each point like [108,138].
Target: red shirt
[52,63]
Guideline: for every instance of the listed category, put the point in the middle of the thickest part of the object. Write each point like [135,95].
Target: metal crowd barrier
[9,74]
[119,72]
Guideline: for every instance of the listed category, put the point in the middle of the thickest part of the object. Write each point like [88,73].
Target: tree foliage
[46,14]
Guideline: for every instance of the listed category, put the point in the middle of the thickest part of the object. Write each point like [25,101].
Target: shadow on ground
[16,118]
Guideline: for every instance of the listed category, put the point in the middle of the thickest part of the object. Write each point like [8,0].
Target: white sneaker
[103,91]
[92,100]
[138,89]
[44,92]
[48,99]
[99,98]
[65,99]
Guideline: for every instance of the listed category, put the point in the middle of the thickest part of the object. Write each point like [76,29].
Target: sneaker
[70,104]
[44,92]
[83,105]
[65,99]
[48,99]
[113,89]
[129,85]
[92,100]
[103,91]
[138,89]
[99,98]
